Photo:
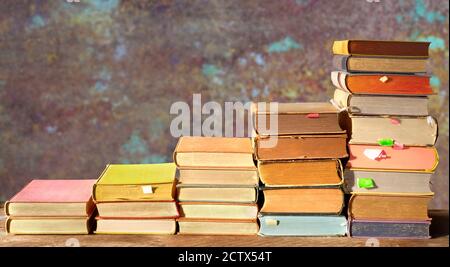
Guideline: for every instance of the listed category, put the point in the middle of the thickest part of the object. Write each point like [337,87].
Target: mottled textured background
[90,83]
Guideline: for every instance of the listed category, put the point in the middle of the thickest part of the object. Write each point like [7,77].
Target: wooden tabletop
[439,231]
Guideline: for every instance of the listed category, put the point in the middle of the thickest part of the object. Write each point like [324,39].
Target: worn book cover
[136,182]
[389,207]
[214,193]
[319,146]
[382,83]
[389,229]
[128,226]
[297,118]
[303,200]
[214,152]
[380,104]
[375,157]
[48,225]
[302,225]
[218,210]
[41,198]
[322,172]
[379,64]
[217,227]
[381,48]
[138,209]
[222,176]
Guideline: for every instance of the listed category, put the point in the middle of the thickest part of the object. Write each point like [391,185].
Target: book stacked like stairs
[217,186]
[136,199]
[51,207]
[383,85]
[300,169]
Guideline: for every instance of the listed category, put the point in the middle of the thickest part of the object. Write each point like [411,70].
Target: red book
[50,198]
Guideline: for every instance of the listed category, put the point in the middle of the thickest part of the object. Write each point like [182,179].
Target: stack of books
[301,170]
[384,87]
[136,199]
[217,187]
[51,207]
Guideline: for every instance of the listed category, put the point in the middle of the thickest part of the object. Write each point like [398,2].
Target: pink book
[43,198]
[421,159]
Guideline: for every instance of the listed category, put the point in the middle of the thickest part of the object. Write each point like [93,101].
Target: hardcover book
[330,146]
[379,64]
[420,159]
[382,83]
[303,200]
[214,152]
[234,194]
[217,227]
[381,105]
[216,210]
[48,225]
[408,131]
[52,198]
[136,226]
[381,48]
[218,177]
[390,229]
[389,207]
[324,172]
[136,182]
[387,182]
[140,209]
[298,118]
[301,225]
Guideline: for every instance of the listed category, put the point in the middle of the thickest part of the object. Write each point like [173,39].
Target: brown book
[389,207]
[379,64]
[382,83]
[301,172]
[214,152]
[381,48]
[297,118]
[303,200]
[329,146]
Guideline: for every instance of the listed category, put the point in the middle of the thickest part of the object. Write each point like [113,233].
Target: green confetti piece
[366,183]
[386,142]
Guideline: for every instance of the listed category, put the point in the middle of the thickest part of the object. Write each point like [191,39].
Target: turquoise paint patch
[120,52]
[284,45]
[421,11]
[437,43]
[105,5]
[135,145]
[37,21]
[105,74]
[210,70]
[435,81]
[399,18]
[255,92]
[100,86]
[153,159]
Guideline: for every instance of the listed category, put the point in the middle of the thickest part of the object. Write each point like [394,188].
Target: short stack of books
[51,207]
[384,87]
[217,187]
[300,167]
[136,199]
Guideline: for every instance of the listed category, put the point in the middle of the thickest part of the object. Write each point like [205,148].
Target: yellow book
[136,182]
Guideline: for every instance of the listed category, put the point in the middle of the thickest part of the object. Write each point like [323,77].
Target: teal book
[302,225]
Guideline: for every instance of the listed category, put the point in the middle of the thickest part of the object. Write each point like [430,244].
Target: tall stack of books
[217,187]
[51,207]
[383,86]
[300,167]
[136,199]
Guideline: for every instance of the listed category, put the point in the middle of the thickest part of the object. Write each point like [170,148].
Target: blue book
[302,225]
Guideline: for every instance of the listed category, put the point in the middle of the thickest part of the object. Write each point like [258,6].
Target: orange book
[389,207]
[422,159]
[300,172]
[303,200]
[382,84]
